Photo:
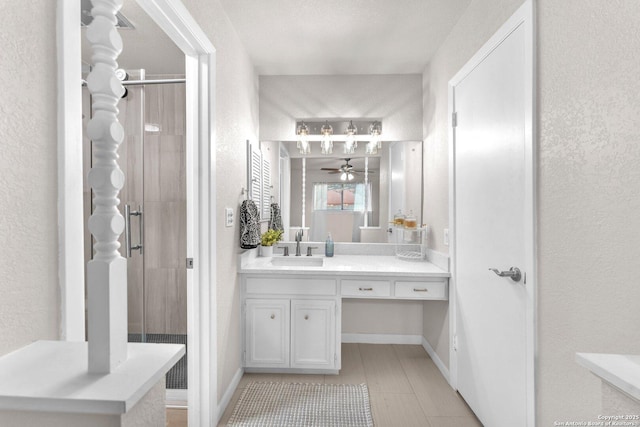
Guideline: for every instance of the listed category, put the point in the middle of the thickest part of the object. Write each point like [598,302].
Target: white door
[493,217]
[313,334]
[267,333]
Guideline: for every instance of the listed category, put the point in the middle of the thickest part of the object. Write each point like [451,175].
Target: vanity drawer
[366,288]
[421,290]
[290,286]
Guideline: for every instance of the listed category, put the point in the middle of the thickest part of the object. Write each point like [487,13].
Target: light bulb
[343,177]
[372,147]
[326,145]
[350,144]
[303,139]
[350,176]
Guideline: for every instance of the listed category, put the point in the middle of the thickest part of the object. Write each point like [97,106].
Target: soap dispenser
[328,246]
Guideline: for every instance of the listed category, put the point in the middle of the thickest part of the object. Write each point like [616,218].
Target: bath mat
[310,405]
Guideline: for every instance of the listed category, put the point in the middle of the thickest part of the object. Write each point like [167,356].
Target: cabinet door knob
[306,317]
[273,316]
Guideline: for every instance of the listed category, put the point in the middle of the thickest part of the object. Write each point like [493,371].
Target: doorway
[175,21]
[493,218]
[153,203]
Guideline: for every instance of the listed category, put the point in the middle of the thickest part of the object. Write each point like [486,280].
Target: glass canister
[398,219]
[410,221]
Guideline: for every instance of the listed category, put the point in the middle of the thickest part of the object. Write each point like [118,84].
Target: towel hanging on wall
[249,227]
[275,221]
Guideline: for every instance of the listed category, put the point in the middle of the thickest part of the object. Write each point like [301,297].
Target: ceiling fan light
[343,177]
[350,176]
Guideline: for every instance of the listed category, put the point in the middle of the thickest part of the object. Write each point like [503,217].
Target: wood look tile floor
[405,386]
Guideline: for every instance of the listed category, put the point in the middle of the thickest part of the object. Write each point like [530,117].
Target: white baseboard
[176,398]
[436,359]
[382,339]
[228,394]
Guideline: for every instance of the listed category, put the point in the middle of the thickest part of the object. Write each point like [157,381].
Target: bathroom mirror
[352,196]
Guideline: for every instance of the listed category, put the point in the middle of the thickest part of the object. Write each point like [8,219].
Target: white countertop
[53,376]
[347,265]
[620,370]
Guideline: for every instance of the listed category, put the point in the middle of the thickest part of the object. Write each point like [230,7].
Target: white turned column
[107,272]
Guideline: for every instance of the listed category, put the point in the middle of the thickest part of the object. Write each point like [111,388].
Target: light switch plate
[228,217]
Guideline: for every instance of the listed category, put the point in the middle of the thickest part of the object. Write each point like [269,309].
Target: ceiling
[310,37]
[289,37]
[146,46]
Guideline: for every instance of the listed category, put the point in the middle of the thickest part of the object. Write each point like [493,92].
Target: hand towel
[275,221]
[249,227]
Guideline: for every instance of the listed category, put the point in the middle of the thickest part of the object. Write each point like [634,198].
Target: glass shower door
[157,271]
[153,204]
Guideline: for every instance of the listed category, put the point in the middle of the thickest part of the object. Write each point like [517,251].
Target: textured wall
[396,99]
[236,121]
[481,19]
[588,195]
[29,306]
[588,180]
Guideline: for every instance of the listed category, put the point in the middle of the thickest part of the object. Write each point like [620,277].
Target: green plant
[270,237]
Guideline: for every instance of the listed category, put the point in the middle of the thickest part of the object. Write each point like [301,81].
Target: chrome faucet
[298,240]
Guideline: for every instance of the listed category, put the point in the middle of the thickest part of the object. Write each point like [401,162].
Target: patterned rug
[308,405]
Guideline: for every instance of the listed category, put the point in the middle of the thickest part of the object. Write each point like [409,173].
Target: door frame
[524,16]
[200,64]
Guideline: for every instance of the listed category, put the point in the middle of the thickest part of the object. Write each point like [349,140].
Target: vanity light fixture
[347,131]
[350,144]
[374,144]
[326,145]
[303,139]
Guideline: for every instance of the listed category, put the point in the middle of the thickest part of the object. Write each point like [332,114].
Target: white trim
[175,20]
[436,359]
[228,394]
[70,205]
[525,16]
[382,339]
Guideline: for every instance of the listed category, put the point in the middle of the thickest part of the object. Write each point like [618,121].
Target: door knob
[514,273]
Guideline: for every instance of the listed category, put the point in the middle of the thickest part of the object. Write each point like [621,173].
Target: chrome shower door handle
[127,230]
[514,273]
[128,213]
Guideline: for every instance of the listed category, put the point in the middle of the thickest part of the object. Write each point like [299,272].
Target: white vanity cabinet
[313,334]
[292,324]
[267,333]
[292,314]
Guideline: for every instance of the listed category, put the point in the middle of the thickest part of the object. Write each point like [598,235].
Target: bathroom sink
[297,261]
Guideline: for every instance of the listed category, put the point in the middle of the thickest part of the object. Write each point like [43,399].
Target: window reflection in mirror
[343,205]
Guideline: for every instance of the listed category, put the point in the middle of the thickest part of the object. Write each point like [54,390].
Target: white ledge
[53,376]
[620,370]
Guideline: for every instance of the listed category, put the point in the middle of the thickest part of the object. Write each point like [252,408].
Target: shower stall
[153,204]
